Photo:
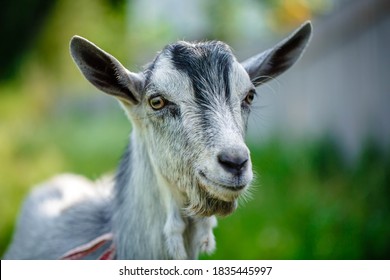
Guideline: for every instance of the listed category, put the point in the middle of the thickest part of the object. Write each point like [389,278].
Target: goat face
[190,108]
[197,100]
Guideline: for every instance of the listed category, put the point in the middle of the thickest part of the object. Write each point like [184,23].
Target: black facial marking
[208,66]
[203,63]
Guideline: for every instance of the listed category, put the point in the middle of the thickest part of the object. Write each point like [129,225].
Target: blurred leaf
[20,23]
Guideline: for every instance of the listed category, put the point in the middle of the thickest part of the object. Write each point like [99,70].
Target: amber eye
[250,96]
[157,102]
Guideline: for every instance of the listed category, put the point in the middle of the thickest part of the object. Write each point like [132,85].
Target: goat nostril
[233,161]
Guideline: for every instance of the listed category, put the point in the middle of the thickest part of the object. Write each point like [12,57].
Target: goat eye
[249,97]
[157,102]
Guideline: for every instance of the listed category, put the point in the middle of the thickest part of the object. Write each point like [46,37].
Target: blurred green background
[322,191]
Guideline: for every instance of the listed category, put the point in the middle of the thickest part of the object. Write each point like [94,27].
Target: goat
[186,161]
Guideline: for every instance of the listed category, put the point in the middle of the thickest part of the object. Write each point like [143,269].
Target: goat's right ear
[105,72]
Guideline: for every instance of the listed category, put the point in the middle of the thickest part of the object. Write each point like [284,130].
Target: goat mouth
[205,181]
[213,198]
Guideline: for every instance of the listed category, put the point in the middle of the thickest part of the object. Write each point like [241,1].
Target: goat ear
[105,72]
[273,62]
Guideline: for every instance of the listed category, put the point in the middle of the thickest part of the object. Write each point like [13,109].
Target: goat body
[185,163]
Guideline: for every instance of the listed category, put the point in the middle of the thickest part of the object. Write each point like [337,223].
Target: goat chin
[212,206]
[206,204]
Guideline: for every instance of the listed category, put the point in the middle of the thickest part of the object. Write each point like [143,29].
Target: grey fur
[185,163]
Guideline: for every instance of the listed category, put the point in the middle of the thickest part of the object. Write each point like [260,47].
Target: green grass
[307,203]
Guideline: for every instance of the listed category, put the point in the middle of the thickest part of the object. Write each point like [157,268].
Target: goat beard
[202,203]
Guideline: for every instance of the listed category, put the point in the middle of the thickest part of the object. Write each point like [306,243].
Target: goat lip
[232,188]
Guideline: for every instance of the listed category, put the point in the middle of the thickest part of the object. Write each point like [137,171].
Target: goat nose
[233,160]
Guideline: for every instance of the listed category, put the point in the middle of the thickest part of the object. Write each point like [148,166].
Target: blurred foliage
[282,14]
[19,23]
[307,202]
[279,16]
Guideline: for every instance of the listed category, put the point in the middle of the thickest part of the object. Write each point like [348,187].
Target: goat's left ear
[105,72]
[273,62]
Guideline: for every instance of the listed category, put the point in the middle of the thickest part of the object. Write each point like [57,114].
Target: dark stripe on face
[208,66]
